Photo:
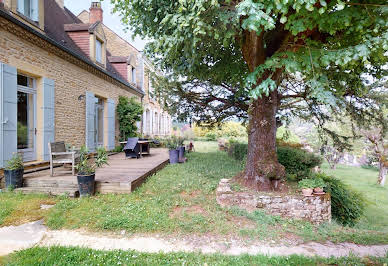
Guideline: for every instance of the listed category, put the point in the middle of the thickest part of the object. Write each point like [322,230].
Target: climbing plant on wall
[129,111]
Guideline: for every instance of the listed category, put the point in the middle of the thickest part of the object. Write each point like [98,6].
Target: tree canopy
[315,59]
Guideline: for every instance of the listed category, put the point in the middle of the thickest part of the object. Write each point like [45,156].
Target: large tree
[264,60]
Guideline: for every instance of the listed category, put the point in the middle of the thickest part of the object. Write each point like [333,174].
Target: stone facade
[39,59]
[156,121]
[316,209]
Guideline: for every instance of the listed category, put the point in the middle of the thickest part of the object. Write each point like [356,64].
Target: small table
[142,143]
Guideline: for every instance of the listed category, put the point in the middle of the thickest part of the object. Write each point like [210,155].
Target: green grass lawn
[180,199]
[81,256]
[365,181]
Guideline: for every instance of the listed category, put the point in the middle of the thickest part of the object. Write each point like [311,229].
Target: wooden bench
[59,155]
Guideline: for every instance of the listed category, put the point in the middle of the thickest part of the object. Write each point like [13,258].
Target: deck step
[50,184]
[50,191]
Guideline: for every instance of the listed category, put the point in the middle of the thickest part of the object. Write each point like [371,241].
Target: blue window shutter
[48,108]
[90,123]
[110,128]
[8,112]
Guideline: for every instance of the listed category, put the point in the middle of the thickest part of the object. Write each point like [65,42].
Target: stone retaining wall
[316,209]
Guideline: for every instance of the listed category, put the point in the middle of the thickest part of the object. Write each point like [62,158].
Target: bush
[210,136]
[129,111]
[297,162]
[347,206]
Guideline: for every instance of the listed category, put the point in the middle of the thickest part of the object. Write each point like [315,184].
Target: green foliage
[87,166]
[173,142]
[15,163]
[129,111]
[297,162]
[83,256]
[311,183]
[347,205]
[211,136]
[306,183]
[227,129]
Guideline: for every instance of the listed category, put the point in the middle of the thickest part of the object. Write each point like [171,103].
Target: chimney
[95,13]
[60,3]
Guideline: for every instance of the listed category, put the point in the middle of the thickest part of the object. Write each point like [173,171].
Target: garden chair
[132,148]
[59,155]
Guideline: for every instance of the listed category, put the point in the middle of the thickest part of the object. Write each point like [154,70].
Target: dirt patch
[192,194]
[242,222]
[179,211]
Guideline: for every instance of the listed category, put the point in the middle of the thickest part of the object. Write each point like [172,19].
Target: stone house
[58,79]
[133,65]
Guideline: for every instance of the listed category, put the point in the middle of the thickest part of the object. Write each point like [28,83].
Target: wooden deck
[120,176]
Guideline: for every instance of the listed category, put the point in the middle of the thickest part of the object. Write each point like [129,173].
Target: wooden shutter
[110,128]
[8,112]
[90,122]
[48,113]
[35,10]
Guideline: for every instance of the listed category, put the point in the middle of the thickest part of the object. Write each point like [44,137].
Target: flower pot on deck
[13,178]
[174,156]
[307,191]
[182,150]
[86,185]
[318,190]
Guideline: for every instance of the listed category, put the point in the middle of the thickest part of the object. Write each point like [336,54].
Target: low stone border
[316,209]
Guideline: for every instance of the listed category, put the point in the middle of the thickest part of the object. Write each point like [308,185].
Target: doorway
[26,117]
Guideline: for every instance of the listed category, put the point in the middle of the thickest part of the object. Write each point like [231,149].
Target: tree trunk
[262,164]
[382,173]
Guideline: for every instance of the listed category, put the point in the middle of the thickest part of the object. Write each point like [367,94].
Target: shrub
[15,163]
[347,206]
[210,136]
[129,111]
[297,162]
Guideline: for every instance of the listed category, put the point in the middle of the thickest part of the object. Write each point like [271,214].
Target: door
[26,117]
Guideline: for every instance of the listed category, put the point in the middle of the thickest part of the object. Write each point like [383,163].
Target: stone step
[71,192]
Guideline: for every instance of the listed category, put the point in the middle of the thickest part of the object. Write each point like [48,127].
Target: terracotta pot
[307,191]
[318,190]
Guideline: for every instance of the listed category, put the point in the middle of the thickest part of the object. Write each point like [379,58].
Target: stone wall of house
[316,209]
[71,82]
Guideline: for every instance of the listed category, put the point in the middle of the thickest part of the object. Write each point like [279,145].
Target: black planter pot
[182,150]
[174,156]
[86,184]
[13,178]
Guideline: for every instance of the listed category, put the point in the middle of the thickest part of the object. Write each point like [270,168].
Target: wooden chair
[59,155]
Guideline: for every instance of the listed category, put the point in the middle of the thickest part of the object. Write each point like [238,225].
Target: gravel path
[20,237]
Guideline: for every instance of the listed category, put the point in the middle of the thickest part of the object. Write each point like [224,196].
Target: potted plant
[319,185]
[13,172]
[172,145]
[87,170]
[307,185]
[181,149]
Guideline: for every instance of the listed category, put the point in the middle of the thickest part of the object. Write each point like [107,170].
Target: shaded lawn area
[81,256]
[180,199]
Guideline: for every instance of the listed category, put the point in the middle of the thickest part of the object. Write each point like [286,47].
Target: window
[98,51]
[29,8]
[133,75]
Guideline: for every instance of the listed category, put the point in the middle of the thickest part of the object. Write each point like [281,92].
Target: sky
[110,20]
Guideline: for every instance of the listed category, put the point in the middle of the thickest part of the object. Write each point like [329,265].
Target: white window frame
[33,11]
